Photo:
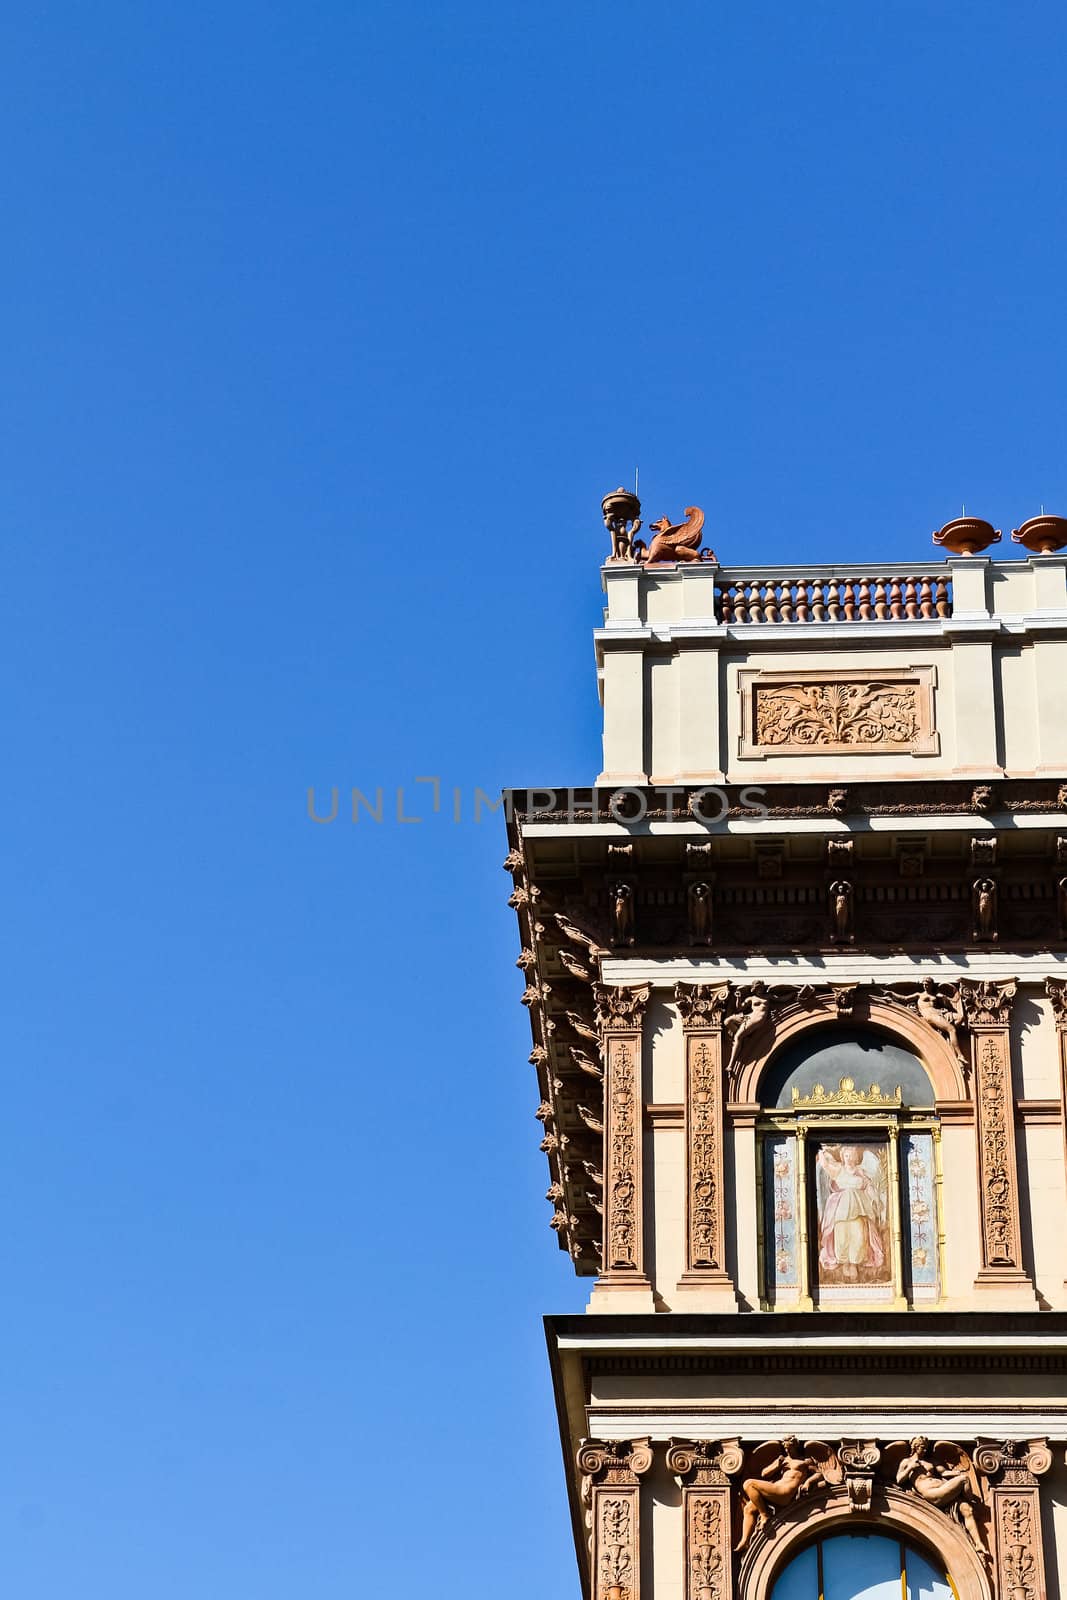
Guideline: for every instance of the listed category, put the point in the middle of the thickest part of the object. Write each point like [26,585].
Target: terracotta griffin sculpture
[678,541]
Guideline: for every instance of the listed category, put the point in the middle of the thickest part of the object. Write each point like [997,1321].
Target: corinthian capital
[619,1008]
[987,1004]
[702,1005]
[1056,989]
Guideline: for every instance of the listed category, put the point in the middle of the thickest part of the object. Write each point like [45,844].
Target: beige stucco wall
[670,687]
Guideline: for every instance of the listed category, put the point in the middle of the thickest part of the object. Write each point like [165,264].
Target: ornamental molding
[839,711]
[846,1094]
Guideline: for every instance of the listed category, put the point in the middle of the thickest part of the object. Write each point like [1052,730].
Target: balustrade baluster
[770,602]
[739,603]
[850,601]
[881,610]
[787,601]
[726,605]
[943,605]
[911,598]
[865,600]
[926,599]
[803,594]
[896,609]
[755,603]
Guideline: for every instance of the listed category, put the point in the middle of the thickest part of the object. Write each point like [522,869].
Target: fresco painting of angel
[852,1212]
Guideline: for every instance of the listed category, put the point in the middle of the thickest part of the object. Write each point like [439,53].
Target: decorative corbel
[702,1469]
[619,1014]
[703,1008]
[858,1458]
[611,1489]
[1013,1467]
[987,1011]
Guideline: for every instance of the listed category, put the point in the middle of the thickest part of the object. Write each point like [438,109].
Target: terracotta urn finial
[965,536]
[1043,535]
[622,518]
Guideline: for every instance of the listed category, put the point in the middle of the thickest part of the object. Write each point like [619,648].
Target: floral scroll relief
[622,1164]
[706,1159]
[844,713]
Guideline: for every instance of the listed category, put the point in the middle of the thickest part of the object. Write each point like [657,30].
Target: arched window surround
[887,1016]
[905,1517]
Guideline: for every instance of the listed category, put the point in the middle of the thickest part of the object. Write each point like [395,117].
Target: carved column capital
[618,1461]
[987,1004]
[1013,1461]
[704,1462]
[702,1005]
[620,1009]
[1056,990]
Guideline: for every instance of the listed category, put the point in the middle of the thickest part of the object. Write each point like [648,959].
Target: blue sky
[325,328]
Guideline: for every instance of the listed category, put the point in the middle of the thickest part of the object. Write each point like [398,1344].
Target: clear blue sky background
[325,328]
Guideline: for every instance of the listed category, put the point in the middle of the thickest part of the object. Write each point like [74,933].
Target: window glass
[924,1581]
[800,1580]
[861,1567]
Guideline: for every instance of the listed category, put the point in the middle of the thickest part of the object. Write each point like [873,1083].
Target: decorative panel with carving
[848,712]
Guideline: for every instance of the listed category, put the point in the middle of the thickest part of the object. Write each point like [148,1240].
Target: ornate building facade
[796,971]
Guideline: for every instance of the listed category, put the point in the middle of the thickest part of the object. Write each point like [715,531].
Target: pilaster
[702,1471]
[705,1284]
[1013,1468]
[987,1012]
[623,1284]
[611,1474]
[1056,989]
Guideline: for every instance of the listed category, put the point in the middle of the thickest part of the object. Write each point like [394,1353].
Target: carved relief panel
[619,1015]
[847,711]
[703,1007]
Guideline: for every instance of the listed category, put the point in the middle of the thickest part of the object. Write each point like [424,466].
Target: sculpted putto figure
[940,1012]
[754,1014]
[786,1476]
[944,1477]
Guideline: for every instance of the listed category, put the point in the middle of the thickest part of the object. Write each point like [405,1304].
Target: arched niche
[902,1515]
[890,1019]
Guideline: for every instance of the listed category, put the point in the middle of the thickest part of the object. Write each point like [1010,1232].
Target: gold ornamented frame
[838,711]
[804,1125]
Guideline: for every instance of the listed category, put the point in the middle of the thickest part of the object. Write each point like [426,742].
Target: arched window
[849,1172]
[862,1566]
